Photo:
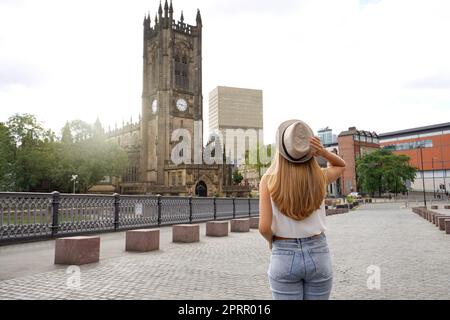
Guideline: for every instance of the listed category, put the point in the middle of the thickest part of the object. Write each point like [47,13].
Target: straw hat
[293,141]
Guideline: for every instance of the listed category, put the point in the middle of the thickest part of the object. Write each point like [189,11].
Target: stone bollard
[436,219]
[447,226]
[217,228]
[77,250]
[186,233]
[432,214]
[441,222]
[254,223]
[240,225]
[142,240]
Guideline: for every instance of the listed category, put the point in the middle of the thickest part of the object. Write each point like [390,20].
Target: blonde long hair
[297,189]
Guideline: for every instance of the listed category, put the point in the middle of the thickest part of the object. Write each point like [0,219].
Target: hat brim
[279,138]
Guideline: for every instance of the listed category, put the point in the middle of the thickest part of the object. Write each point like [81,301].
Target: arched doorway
[201,190]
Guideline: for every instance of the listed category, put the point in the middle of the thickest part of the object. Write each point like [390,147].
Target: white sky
[379,65]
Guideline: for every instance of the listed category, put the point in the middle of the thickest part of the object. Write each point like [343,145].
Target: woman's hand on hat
[316,146]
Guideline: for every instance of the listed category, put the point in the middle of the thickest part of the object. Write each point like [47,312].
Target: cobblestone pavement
[412,255]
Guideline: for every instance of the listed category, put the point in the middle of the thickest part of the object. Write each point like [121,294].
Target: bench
[142,240]
[240,225]
[77,250]
[217,228]
[434,207]
[186,233]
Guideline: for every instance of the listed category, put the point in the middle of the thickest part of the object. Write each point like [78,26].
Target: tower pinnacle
[160,9]
[166,9]
[199,18]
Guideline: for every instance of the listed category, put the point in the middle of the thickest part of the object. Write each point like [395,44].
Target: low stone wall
[331,212]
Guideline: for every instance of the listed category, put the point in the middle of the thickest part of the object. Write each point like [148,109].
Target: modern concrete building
[327,137]
[429,150]
[237,114]
[235,108]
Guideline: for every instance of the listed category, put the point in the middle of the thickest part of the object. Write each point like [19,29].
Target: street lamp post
[444,173]
[434,185]
[423,176]
[74,179]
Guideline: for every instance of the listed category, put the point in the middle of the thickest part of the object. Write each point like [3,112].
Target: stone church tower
[171,99]
[172,88]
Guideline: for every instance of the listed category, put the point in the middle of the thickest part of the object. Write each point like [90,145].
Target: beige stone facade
[232,109]
[235,108]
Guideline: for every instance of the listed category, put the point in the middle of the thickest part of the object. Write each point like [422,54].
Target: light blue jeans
[301,269]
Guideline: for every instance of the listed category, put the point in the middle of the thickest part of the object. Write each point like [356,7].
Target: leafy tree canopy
[382,171]
[33,159]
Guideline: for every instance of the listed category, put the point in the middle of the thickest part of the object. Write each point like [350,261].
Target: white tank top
[285,227]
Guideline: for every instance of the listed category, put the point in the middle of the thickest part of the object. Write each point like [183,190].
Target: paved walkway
[413,258]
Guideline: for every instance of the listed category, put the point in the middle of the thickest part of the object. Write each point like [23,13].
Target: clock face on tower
[182,105]
[155,106]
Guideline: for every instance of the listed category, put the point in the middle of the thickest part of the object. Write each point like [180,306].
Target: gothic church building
[171,99]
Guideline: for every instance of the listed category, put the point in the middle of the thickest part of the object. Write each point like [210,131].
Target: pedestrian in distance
[292,214]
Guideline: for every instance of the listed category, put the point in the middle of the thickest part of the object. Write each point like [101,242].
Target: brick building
[429,150]
[353,144]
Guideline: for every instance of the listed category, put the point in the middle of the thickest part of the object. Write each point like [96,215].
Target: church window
[174,179]
[181,72]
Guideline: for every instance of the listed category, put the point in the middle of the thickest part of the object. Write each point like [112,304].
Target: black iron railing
[31,216]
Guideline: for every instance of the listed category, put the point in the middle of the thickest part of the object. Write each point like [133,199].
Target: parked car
[355,195]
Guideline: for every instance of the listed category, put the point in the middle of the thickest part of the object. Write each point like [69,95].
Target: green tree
[6,159]
[33,152]
[382,171]
[254,153]
[84,151]
[66,136]
[237,177]
[32,159]
[80,130]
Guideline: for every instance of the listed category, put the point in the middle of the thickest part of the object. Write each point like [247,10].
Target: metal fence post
[55,211]
[190,209]
[249,208]
[159,209]
[234,207]
[215,209]
[116,210]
